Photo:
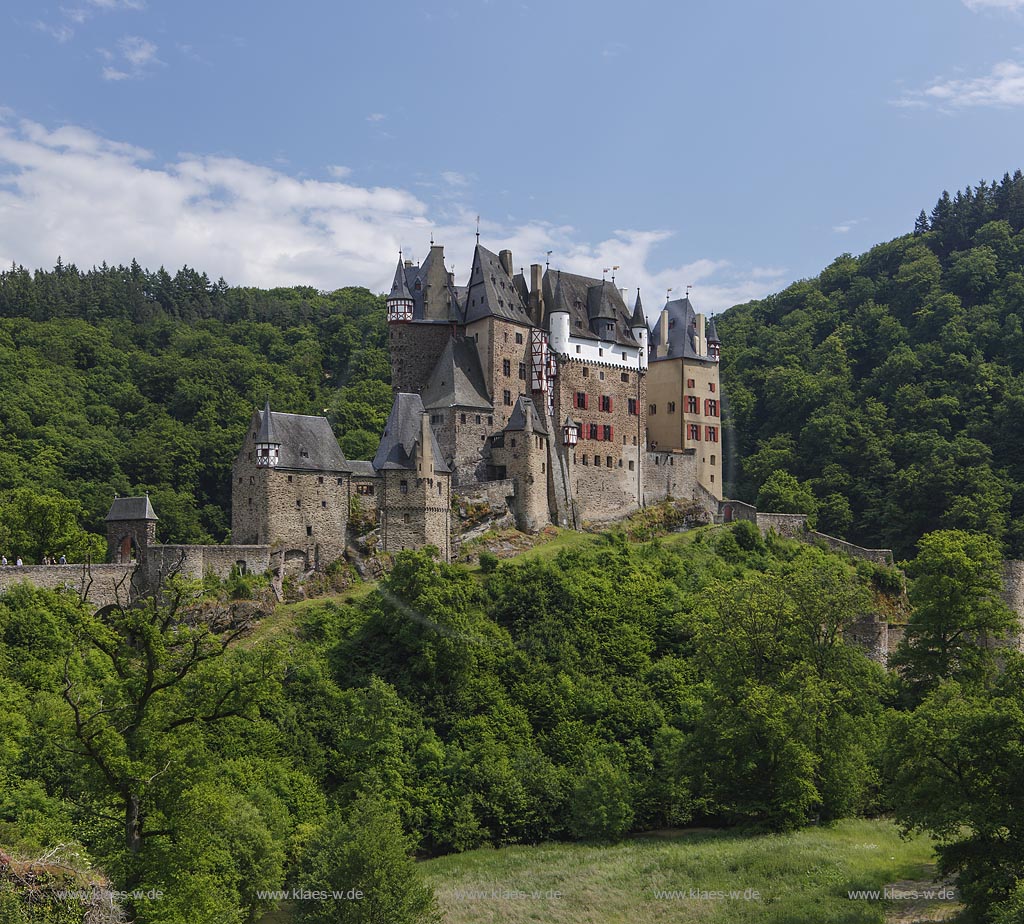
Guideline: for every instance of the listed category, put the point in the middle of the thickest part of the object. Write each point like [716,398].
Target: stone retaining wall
[101,584]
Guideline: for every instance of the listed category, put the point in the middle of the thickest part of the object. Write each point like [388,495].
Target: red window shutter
[609,404]
[707,407]
[586,401]
[611,433]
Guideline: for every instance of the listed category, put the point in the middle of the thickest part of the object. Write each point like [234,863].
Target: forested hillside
[892,385]
[117,380]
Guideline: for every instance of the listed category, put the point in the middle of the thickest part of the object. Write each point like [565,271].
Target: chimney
[505,259]
[701,338]
[408,264]
[663,332]
[451,279]
[537,293]
[425,463]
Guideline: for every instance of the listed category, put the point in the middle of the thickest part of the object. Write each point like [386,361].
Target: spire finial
[478,229]
[431,238]
[547,263]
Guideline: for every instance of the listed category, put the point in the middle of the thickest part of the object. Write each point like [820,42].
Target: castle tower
[131,529]
[416,506]
[558,322]
[268,446]
[522,449]
[638,325]
[399,301]
[683,391]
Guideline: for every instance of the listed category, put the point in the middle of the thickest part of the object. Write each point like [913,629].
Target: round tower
[399,301]
[638,326]
[558,322]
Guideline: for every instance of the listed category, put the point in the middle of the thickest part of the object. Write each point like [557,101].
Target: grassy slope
[802,878]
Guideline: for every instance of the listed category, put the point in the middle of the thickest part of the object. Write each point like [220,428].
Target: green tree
[35,525]
[362,859]
[783,493]
[958,613]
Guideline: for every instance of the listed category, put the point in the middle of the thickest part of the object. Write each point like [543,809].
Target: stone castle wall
[497,343]
[605,476]
[415,346]
[670,475]
[525,457]
[196,561]
[416,512]
[101,584]
[495,494]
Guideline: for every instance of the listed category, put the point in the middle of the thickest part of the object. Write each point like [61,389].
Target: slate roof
[267,433]
[362,469]
[517,420]
[411,282]
[457,379]
[713,332]
[592,304]
[681,333]
[401,436]
[639,319]
[492,292]
[131,508]
[298,434]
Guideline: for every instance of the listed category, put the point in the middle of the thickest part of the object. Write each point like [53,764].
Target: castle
[552,401]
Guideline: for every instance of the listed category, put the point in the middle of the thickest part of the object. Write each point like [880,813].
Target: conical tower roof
[713,332]
[267,432]
[638,319]
[399,288]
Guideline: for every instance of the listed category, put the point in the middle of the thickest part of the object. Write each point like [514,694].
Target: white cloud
[975,5]
[376,117]
[137,55]
[86,198]
[453,178]
[63,31]
[845,227]
[1002,87]
[338,171]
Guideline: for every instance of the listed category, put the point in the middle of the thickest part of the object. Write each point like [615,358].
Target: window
[320,479]
[600,351]
[606,403]
[712,460]
[597,461]
[711,434]
[578,350]
[608,461]
[507,395]
[506,367]
[250,501]
[405,518]
[462,418]
[593,432]
[692,404]
[633,407]
[600,375]
[711,386]
[586,461]
[653,409]
[671,407]
[694,431]
[298,501]
[364,489]
[323,504]
[519,338]
[304,453]
[710,407]
[512,443]
[586,372]
[581,400]
[478,418]
[625,375]
[403,486]
[631,465]
[522,372]
[689,383]
[252,479]
[490,420]
[289,479]
[607,432]
[309,530]
[341,481]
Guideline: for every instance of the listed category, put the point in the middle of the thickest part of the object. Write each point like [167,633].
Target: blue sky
[731,145]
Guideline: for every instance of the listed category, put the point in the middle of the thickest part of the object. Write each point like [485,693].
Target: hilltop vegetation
[892,384]
[117,380]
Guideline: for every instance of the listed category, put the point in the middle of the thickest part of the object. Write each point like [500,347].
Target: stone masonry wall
[493,493]
[670,474]
[415,348]
[417,514]
[498,343]
[878,556]
[461,433]
[195,561]
[603,491]
[525,457]
[101,584]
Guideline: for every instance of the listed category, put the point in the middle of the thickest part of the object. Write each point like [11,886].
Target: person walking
[17,564]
